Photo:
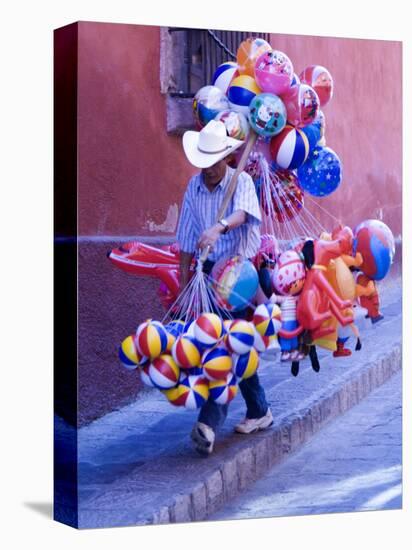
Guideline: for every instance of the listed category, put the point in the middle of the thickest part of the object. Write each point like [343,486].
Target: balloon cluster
[207,357]
[261,91]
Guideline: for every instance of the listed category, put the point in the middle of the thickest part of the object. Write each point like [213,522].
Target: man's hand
[210,236]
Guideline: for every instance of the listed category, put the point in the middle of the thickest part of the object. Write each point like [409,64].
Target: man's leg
[258,413]
[210,418]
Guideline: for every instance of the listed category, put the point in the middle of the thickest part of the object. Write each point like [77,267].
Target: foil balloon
[267,114]
[274,72]
[207,103]
[285,199]
[248,52]
[321,81]
[321,174]
[302,105]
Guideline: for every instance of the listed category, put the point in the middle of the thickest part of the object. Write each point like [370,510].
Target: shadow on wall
[111,305]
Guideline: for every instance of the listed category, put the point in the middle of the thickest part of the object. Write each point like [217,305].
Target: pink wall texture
[132,174]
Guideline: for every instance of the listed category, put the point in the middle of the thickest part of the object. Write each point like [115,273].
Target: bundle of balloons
[207,357]
[261,91]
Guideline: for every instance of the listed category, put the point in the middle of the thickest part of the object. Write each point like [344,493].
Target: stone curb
[271,447]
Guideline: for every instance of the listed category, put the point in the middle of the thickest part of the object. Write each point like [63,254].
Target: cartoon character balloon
[248,52]
[321,174]
[267,114]
[274,72]
[207,103]
[321,81]
[302,105]
[236,124]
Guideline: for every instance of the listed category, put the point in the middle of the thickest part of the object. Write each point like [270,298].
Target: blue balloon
[321,174]
[313,133]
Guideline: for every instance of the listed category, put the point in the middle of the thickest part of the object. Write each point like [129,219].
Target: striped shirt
[200,209]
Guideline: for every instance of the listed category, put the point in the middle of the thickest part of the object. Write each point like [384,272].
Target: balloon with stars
[321,174]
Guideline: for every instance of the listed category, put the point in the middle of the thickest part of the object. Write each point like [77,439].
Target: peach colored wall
[130,170]
[363,121]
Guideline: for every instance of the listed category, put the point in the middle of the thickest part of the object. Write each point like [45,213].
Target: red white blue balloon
[290,148]
[224,75]
[322,172]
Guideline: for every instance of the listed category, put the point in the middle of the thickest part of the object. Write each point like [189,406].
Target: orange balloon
[247,53]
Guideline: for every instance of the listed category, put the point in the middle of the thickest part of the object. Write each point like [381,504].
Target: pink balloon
[274,72]
[302,105]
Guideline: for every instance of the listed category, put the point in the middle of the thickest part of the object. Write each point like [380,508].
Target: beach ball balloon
[375,241]
[321,174]
[189,329]
[240,93]
[224,75]
[267,319]
[267,114]
[320,79]
[175,327]
[248,52]
[226,325]
[207,103]
[290,148]
[274,72]
[129,355]
[237,126]
[164,372]
[245,365]
[192,392]
[261,342]
[217,363]
[151,339]
[186,352]
[302,105]
[208,329]
[240,336]
[223,391]
[145,376]
[289,273]
[235,282]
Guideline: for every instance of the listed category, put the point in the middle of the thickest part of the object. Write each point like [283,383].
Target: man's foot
[203,437]
[252,425]
[285,356]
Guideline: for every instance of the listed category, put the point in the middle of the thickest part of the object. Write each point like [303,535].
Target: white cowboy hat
[211,144]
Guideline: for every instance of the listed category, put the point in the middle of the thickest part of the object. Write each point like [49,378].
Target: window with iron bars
[204,50]
[189,60]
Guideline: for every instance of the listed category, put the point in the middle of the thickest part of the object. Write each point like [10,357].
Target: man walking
[236,233]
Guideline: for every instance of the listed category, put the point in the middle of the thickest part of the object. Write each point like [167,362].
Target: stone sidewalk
[137,466]
[354,464]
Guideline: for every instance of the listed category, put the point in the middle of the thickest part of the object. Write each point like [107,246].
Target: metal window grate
[204,50]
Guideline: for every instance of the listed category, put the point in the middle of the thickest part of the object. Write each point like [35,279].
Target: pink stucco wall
[130,172]
[363,122]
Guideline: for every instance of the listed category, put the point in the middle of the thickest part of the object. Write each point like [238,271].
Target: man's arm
[211,235]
